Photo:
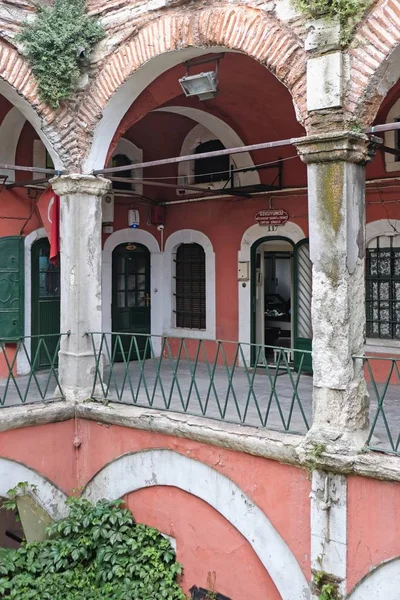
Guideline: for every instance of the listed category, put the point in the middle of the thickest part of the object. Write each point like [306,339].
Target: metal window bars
[208,378]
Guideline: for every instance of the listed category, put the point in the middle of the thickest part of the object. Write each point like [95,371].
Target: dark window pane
[120,160]
[207,170]
[190,290]
[383,292]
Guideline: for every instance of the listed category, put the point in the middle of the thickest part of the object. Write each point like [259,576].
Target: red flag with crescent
[49,210]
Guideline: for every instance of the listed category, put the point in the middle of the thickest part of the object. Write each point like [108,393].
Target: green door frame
[45,310]
[253,253]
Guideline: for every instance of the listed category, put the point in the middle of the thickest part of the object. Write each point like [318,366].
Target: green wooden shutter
[11,287]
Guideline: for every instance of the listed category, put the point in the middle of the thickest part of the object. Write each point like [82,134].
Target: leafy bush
[96,552]
[58,44]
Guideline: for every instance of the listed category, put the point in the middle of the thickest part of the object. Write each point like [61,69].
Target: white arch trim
[149,468]
[138,236]
[21,104]
[189,236]
[23,366]
[51,498]
[128,93]
[382,227]
[382,583]
[135,155]
[10,131]
[211,127]
[292,232]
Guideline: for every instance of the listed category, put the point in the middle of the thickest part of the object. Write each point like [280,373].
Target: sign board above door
[272,216]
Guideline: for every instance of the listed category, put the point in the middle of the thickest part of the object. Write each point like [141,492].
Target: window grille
[383,288]
[397,140]
[208,170]
[203,594]
[190,286]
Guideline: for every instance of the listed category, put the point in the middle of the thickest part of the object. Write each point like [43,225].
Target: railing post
[336,211]
[81,308]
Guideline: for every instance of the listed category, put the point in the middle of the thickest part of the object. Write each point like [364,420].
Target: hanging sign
[272,216]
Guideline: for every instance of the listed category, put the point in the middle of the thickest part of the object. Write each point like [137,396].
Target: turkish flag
[49,209]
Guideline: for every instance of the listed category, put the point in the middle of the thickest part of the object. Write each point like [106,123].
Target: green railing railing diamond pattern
[207,378]
[36,385]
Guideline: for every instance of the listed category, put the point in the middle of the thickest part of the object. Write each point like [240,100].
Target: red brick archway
[256,33]
[375,40]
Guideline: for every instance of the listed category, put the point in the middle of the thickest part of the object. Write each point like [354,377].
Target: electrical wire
[229,171]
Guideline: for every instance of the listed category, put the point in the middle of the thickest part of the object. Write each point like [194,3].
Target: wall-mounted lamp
[202,85]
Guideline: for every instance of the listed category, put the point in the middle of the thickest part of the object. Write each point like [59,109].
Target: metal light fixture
[202,85]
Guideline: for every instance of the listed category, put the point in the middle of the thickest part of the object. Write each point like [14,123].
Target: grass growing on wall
[58,44]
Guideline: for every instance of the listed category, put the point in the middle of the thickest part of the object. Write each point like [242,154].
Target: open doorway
[281,298]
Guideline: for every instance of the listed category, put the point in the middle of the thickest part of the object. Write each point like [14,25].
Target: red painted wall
[205,540]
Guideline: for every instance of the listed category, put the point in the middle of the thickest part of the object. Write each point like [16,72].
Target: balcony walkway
[277,399]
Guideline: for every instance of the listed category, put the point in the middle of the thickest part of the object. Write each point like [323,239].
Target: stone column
[336,212]
[81,309]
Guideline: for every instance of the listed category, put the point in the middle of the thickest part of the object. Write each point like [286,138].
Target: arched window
[190,286]
[121,160]
[208,170]
[383,287]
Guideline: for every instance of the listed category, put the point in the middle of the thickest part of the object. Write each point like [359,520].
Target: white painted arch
[290,231]
[382,583]
[189,236]
[148,468]
[10,131]
[30,115]
[211,127]
[135,155]
[382,227]
[23,366]
[138,236]
[128,93]
[51,498]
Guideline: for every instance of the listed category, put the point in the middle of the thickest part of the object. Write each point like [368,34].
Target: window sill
[194,334]
[382,346]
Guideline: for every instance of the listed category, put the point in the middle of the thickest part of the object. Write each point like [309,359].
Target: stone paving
[246,399]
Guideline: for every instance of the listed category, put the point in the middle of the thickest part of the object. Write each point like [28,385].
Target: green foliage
[96,552]
[53,44]
[326,587]
[22,488]
[348,12]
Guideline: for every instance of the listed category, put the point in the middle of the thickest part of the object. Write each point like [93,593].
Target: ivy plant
[58,44]
[97,551]
[348,12]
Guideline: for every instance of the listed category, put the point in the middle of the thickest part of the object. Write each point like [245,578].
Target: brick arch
[254,32]
[18,85]
[373,53]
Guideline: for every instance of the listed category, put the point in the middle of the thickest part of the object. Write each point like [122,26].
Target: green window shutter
[11,287]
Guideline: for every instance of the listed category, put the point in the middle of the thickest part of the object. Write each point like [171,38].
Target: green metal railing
[212,379]
[36,384]
[383,381]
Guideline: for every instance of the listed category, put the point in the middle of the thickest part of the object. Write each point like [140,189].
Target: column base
[77,373]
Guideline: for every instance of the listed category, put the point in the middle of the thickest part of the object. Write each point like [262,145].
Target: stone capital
[80,185]
[340,146]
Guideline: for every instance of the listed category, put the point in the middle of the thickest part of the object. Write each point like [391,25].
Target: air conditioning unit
[108,208]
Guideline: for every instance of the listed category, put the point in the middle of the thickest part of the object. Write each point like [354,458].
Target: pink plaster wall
[206,542]
[373,514]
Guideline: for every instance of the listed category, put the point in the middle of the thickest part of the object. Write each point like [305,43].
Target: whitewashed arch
[382,583]
[23,366]
[138,236]
[30,115]
[390,139]
[48,495]
[135,155]
[381,227]
[10,131]
[292,232]
[128,93]
[149,468]
[189,236]
[211,127]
